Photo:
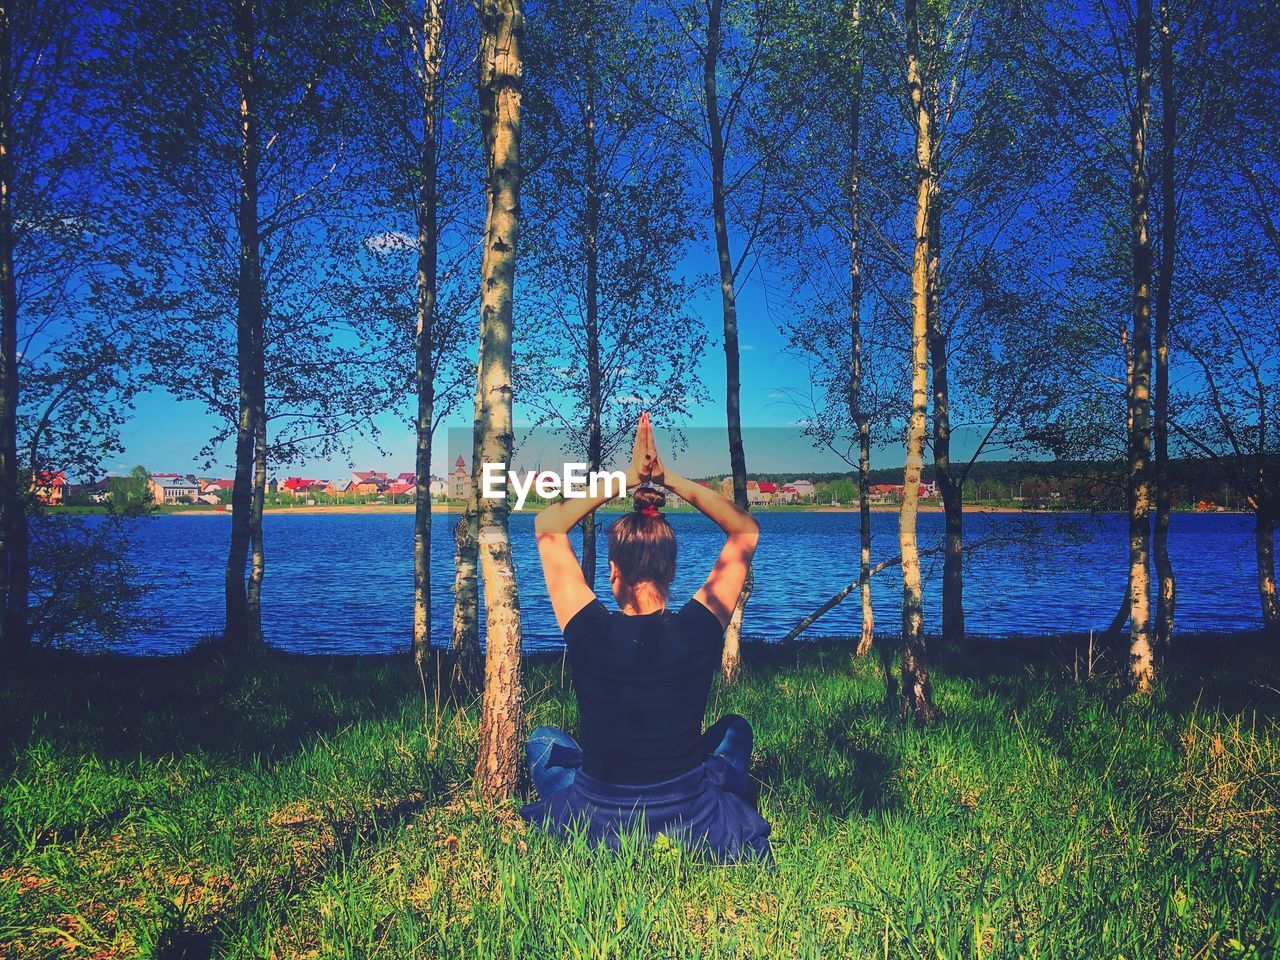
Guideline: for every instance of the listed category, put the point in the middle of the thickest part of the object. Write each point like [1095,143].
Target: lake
[342,582]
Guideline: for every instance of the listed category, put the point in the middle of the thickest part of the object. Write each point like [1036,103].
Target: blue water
[342,583]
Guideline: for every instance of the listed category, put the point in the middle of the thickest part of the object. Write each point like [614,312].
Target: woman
[642,675]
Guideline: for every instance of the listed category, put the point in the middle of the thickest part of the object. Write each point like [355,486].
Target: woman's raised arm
[720,593]
[566,586]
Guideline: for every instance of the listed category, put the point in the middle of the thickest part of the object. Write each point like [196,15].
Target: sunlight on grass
[305,811]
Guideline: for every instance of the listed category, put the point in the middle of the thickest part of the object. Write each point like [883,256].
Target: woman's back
[642,683]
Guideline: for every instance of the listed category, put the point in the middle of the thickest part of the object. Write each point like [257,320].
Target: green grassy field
[309,809]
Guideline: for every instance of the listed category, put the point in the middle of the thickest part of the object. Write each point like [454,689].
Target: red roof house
[49,486]
[296,486]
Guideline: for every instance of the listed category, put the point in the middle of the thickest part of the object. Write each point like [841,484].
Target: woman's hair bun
[649,497]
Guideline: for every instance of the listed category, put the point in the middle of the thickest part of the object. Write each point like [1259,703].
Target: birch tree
[830,315]
[1166,587]
[724,56]
[1229,251]
[1103,58]
[417,266]
[1142,664]
[916,693]
[500,81]
[607,224]
[238,141]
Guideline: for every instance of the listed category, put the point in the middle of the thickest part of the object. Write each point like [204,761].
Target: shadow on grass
[126,707]
[860,782]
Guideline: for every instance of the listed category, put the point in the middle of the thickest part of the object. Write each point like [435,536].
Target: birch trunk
[1264,521]
[591,227]
[857,410]
[501,70]
[257,554]
[468,670]
[948,488]
[1167,592]
[1141,663]
[731,661]
[916,696]
[424,341]
[248,337]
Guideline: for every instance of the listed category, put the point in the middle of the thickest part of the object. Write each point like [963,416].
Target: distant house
[398,488]
[172,488]
[892,492]
[438,487]
[409,478]
[368,482]
[803,488]
[757,491]
[795,491]
[459,482]
[99,491]
[49,486]
[298,486]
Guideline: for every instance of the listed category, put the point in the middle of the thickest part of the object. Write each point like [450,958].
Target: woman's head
[642,549]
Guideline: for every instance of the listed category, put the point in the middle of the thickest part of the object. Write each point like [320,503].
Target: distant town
[1013,484]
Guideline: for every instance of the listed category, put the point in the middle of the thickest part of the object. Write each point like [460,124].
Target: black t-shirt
[642,684]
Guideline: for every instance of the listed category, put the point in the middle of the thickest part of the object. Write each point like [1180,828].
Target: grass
[306,808]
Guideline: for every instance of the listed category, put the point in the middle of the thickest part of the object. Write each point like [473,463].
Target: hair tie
[650,511]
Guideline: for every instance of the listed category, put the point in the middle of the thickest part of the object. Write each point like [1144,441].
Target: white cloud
[746,346]
[390,241]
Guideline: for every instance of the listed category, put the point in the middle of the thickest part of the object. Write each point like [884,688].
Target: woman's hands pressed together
[646,463]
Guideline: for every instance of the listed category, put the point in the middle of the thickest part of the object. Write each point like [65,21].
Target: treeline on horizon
[1049,224]
[1085,483]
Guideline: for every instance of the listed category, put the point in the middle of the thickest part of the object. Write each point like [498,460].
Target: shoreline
[450,508]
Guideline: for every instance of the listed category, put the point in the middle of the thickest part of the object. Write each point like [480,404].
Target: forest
[1031,244]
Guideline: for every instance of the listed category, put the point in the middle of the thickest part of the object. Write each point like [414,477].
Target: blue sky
[167,435]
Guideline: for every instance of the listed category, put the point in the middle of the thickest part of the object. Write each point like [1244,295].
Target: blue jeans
[549,747]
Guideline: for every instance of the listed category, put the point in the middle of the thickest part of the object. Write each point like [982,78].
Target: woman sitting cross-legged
[642,675]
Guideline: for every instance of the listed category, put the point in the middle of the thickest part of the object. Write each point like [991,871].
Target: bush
[84,590]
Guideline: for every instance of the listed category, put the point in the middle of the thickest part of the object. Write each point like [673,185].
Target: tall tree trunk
[1264,527]
[732,658]
[1142,664]
[13,520]
[948,487]
[916,695]
[468,674]
[1167,593]
[857,409]
[465,637]
[591,227]
[248,336]
[1121,617]
[257,550]
[424,343]
[501,71]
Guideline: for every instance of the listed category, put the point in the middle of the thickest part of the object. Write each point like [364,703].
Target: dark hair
[642,544]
